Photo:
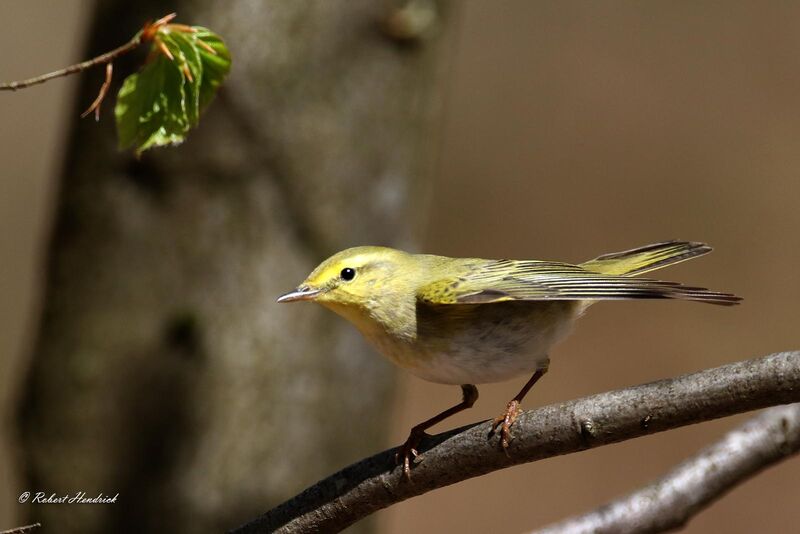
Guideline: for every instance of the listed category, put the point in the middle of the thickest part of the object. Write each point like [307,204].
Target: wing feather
[505,280]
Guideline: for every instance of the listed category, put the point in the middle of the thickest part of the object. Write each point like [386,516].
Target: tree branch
[668,503]
[374,483]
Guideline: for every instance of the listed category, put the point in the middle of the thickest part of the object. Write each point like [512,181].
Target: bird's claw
[407,452]
[505,421]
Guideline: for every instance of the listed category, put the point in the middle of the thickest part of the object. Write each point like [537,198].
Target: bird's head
[357,281]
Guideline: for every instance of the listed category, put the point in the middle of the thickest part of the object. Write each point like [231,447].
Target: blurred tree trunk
[164,371]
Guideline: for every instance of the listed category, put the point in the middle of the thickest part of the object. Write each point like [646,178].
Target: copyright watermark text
[79,497]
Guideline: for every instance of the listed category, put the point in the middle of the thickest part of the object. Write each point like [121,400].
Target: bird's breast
[473,344]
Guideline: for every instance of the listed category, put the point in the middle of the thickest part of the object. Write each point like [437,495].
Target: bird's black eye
[348,274]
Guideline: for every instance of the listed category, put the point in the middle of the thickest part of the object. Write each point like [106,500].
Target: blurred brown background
[572,129]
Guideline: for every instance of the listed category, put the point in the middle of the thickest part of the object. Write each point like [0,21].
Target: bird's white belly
[474,369]
[497,346]
[481,364]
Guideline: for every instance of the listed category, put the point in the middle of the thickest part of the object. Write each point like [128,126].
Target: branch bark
[668,503]
[374,483]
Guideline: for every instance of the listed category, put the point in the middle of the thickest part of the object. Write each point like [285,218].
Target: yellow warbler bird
[467,321]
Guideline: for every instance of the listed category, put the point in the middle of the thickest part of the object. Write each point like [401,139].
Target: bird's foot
[407,452]
[504,422]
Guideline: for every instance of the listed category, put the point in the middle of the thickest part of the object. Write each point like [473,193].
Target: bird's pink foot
[504,422]
[407,452]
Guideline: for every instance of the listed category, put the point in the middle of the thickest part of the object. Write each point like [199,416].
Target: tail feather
[648,258]
[651,257]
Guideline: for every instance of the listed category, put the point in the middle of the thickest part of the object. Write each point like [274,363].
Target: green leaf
[216,65]
[184,50]
[158,105]
[149,108]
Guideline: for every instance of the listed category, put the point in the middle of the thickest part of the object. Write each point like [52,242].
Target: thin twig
[374,483]
[148,33]
[668,503]
[79,67]
[21,530]
[101,95]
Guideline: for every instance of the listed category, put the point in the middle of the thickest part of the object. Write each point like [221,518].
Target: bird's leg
[409,449]
[507,418]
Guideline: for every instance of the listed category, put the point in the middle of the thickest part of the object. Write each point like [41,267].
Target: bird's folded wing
[510,280]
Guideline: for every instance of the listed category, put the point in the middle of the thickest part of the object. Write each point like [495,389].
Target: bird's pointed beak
[301,293]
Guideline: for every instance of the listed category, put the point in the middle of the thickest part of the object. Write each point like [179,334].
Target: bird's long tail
[645,259]
[651,257]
